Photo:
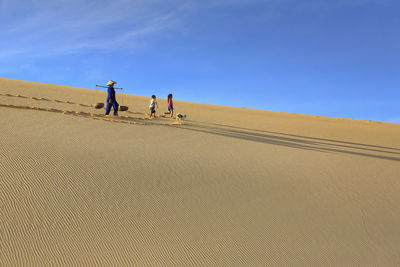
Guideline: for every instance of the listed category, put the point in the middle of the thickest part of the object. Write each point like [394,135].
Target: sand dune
[228,187]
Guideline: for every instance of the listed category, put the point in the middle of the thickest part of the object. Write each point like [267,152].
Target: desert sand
[228,187]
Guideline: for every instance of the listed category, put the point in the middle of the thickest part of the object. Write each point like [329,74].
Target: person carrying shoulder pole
[111,101]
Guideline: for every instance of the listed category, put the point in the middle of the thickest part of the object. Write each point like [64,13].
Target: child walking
[170,106]
[153,104]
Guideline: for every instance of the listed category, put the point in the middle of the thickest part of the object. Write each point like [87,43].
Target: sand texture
[228,187]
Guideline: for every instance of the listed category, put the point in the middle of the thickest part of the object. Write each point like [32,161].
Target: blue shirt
[111,93]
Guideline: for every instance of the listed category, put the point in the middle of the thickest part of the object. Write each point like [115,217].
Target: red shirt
[170,102]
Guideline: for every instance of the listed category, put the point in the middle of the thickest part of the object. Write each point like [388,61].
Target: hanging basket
[99,105]
[123,108]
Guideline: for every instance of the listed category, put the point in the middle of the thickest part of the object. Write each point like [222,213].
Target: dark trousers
[115,105]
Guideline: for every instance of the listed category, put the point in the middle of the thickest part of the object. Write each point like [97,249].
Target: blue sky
[334,58]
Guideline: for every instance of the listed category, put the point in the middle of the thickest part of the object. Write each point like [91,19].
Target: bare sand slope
[229,187]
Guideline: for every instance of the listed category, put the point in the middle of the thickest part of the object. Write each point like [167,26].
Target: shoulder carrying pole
[107,87]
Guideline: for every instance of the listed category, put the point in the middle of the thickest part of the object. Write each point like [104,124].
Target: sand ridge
[228,187]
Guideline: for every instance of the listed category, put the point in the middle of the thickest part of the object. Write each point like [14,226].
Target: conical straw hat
[111,82]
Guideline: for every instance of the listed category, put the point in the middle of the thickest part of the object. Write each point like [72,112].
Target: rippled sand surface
[227,187]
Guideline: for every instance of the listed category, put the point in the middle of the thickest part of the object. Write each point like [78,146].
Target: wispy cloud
[47,27]
[44,27]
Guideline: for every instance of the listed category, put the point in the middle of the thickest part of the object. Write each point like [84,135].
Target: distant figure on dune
[170,106]
[111,101]
[153,104]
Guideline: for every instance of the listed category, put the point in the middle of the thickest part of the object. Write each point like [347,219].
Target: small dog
[180,117]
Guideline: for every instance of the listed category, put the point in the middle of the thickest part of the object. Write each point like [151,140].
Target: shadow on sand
[261,136]
[295,141]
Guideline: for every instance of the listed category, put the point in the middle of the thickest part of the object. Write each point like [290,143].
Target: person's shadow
[294,141]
